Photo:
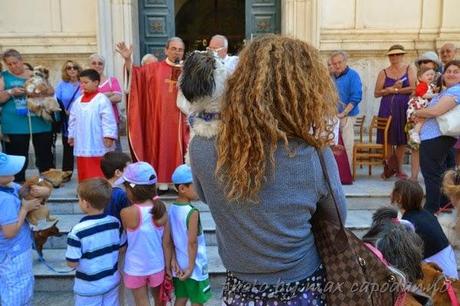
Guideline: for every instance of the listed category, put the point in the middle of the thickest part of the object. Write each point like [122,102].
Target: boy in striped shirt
[93,246]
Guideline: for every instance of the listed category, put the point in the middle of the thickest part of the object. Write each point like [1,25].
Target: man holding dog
[157,130]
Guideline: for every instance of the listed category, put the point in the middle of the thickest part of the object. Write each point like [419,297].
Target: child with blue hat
[16,274]
[190,278]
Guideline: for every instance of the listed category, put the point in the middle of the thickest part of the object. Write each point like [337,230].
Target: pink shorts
[152,280]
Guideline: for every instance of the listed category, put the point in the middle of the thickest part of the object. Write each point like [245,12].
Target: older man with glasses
[219,45]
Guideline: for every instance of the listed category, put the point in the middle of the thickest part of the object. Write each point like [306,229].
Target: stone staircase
[51,288]
[363,198]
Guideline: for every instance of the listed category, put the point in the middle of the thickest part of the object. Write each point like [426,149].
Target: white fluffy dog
[202,83]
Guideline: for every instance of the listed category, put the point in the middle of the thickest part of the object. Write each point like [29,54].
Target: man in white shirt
[219,44]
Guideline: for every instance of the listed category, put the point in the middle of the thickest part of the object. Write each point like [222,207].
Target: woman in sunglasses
[108,86]
[67,91]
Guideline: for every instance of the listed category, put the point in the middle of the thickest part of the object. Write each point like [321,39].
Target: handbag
[355,276]
[449,122]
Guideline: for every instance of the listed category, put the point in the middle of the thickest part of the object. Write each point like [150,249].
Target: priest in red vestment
[157,130]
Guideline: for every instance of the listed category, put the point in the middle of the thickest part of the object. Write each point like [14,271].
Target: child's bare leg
[156,296]
[180,302]
[141,296]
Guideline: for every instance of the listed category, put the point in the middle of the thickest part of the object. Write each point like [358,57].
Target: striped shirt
[94,243]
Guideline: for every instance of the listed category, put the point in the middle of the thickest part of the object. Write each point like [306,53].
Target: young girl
[148,255]
[407,195]
[423,93]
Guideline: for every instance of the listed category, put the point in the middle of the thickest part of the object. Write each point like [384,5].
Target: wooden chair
[372,153]
[359,124]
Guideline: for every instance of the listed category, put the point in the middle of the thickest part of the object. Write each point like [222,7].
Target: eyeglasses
[214,49]
[425,62]
[71,68]
[97,63]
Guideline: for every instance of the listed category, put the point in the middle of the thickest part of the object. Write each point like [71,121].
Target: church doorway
[198,20]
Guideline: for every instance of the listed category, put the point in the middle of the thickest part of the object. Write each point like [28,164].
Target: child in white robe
[92,126]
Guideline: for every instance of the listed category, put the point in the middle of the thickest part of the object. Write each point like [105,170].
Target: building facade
[50,31]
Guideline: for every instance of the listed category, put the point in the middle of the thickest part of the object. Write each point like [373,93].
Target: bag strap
[329,186]
[73,98]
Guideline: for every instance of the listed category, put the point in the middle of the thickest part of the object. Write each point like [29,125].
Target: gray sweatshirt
[270,241]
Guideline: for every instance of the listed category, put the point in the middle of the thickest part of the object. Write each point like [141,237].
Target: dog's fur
[57,177]
[38,100]
[202,83]
[433,284]
[41,236]
[41,213]
[450,224]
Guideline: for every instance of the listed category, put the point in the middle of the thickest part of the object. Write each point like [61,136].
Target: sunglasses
[426,62]
[71,68]
[97,63]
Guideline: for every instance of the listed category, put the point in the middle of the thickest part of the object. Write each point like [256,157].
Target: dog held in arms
[25,192]
[39,93]
[202,83]
[41,236]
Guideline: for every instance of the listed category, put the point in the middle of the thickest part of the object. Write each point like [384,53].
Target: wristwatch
[9,91]
[396,90]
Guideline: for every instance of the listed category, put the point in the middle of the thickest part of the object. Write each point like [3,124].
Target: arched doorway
[226,17]
[197,20]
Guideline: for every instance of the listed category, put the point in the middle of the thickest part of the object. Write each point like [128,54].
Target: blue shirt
[350,90]
[430,129]
[118,201]
[95,243]
[10,205]
[14,116]
[66,93]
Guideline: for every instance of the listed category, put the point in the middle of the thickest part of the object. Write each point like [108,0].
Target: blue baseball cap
[140,173]
[182,175]
[11,164]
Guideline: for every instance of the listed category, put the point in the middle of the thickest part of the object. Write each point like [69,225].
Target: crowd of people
[262,176]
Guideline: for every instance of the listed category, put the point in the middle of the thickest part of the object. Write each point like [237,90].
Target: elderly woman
[67,91]
[261,176]
[434,147]
[17,125]
[395,84]
[108,86]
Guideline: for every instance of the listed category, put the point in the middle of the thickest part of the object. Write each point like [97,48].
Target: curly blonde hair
[280,90]
[451,185]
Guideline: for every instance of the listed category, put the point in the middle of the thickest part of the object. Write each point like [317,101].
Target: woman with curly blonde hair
[261,176]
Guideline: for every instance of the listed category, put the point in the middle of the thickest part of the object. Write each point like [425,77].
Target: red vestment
[157,130]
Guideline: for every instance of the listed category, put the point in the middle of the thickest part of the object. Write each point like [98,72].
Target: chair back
[380,124]
[359,123]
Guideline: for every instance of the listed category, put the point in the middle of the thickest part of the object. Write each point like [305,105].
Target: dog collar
[207,117]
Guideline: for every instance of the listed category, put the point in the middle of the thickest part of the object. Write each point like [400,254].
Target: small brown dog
[434,284]
[42,212]
[57,177]
[39,93]
[41,236]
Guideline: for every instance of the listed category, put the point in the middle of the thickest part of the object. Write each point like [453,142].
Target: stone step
[49,280]
[357,221]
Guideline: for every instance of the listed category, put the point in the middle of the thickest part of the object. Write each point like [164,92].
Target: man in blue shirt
[350,93]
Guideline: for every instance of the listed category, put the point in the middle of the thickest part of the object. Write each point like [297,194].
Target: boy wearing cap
[93,247]
[191,280]
[16,274]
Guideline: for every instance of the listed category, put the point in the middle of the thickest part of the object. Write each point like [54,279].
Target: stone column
[300,19]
